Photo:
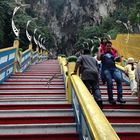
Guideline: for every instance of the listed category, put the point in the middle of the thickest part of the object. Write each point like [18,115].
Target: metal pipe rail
[91,122]
[12,60]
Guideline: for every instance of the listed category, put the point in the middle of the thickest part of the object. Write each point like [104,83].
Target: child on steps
[130,72]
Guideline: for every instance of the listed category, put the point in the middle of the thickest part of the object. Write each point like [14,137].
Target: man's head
[104,40]
[108,45]
[86,51]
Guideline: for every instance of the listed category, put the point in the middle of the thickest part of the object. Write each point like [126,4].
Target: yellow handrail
[99,126]
[7,49]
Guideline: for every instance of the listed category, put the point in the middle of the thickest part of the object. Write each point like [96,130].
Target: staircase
[125,118]
[33,106]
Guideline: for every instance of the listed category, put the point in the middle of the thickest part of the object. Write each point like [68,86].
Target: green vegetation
[127,13]
[72,59]
[21,18]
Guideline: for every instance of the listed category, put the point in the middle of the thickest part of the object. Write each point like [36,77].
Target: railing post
[41,52]
[31,50]
[71,66]
[20,62]
[16,45]
[37,50]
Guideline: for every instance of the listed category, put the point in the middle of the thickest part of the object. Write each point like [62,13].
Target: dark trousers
[93,87]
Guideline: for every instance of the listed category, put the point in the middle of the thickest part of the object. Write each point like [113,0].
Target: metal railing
[12,60]
[91,122]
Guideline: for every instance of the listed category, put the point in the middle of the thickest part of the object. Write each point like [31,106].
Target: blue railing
[7,61]
[12,60]
[26,60]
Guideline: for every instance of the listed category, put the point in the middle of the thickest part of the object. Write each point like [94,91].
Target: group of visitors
[90,72]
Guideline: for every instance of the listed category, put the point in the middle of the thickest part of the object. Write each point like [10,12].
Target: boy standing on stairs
[110,71]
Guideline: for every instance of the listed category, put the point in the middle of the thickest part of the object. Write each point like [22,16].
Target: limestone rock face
[66,17]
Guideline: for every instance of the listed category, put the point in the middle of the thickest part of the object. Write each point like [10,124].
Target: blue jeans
[102,74]
[93,87]
[116,75]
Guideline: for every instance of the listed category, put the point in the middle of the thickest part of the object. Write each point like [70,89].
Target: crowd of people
[108,56]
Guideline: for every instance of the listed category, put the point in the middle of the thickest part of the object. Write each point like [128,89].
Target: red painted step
[37,120]
[62,136]
[129,135]
[34,106]
[38,74]
[124,119]
[122,106]
[32,93]
[124,124]
[33,84]
[32,80]
[33,88]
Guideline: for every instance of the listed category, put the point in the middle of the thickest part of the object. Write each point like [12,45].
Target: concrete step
[126,127]
[115,92]
[31,99]
[25,92]
[124,119]
[34,106]
[32,83]
[36,112]
[60,136]
[27,87]
[33,80]
[121,112]
[36,74]
[32,110]
[122,106]
[115,87]
[38,128]
[36,120]
[34,77]
[131,100]
[28,102]
[52,96]
[129,135]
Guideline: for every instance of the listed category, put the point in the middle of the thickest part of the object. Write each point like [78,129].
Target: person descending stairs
[33,105]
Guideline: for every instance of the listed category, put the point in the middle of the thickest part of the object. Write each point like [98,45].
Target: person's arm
[77,65]
[126,70]
[99,54]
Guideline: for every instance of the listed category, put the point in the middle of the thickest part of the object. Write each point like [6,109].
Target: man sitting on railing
[110,71]
[89,74]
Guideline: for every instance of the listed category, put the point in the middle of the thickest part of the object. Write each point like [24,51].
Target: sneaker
[134,93]
[113,102]
[121,100]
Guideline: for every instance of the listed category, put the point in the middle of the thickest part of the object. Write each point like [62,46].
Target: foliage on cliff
[21,18]
[127,13]
[125,19]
